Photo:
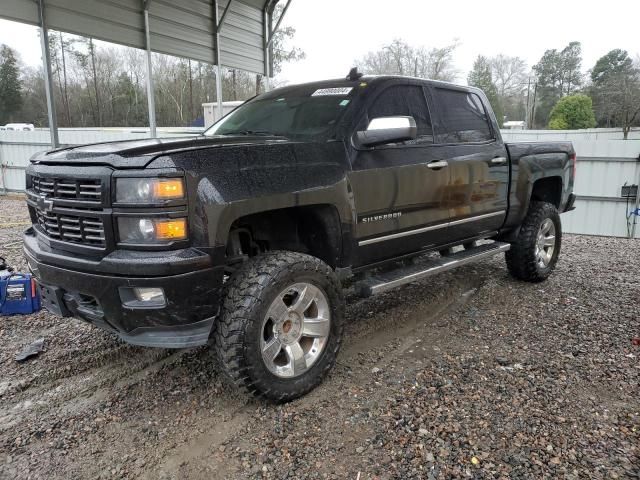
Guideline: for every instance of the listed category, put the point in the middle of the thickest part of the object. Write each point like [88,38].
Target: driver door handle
[498,160]
[438,164]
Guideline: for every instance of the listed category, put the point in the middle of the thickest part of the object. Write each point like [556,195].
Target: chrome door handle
[439,164]
[499,160]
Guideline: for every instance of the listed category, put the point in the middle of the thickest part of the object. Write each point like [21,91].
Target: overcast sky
[334,33]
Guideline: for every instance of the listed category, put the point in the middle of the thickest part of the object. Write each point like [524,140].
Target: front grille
[68,188]
[81,228]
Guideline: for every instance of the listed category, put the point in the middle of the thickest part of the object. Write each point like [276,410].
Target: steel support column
[218,65]
[269,32]
[636,215]
[266,48]
[48,79]
[151,101]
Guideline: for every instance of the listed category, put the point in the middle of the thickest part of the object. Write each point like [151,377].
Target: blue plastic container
[18,293]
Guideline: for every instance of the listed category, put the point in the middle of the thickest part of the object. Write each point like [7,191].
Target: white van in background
[27,127]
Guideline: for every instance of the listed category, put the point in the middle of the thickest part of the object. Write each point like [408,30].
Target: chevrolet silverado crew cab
[244,236]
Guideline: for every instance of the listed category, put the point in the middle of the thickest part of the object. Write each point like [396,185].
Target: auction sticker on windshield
[332,91]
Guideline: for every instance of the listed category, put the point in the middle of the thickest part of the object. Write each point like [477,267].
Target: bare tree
[510,78]
[509,74]
[440,63]
[400,58]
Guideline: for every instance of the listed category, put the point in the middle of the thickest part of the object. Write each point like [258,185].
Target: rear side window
[405,100]
[463,118]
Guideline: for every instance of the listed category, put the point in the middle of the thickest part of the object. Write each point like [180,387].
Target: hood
[139,153]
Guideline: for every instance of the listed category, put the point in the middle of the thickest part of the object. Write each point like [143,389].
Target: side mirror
[383,130]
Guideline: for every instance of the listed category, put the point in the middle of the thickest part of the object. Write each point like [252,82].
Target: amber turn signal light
[168,189]
[174,229]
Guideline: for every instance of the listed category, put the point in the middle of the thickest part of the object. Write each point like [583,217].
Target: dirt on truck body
[246,236]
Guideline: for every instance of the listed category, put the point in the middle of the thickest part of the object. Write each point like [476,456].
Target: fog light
[142,297]
[149,294]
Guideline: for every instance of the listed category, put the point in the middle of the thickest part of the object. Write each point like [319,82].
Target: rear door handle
[499,160]
[438,164]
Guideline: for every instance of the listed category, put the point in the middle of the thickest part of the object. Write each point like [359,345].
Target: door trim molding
[477,217]
[402,234]
[393,236]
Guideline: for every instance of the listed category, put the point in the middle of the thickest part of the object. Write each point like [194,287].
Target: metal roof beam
[275,29]
[224,15]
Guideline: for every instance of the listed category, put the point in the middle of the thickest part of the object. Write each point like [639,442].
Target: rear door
[470,142]
[398,199]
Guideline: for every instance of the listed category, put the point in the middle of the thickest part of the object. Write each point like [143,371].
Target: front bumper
[192,296]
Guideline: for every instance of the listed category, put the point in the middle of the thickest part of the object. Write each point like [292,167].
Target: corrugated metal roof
[185,28]
[23,11]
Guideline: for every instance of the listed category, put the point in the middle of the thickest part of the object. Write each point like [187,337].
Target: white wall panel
[17,147]
[598,217]
[575,135]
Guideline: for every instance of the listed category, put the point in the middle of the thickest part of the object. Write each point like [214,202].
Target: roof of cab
[369,80]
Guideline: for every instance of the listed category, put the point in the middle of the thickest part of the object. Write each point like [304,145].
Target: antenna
[354,74]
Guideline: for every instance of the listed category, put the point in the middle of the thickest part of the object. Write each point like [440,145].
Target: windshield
[309,114]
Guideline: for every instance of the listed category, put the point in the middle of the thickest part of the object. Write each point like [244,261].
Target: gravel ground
[467,374]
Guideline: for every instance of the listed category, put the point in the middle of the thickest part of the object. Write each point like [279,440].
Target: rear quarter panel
[533,161]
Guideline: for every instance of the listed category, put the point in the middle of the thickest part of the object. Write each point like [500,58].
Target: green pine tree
[10,86]
[480,77]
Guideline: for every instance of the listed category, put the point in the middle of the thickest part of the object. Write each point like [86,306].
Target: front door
[399,198]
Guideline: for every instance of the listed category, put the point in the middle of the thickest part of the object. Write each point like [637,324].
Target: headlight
[151,230]
[148,190]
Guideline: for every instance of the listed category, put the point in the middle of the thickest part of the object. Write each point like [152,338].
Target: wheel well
[314,230]
[548,190]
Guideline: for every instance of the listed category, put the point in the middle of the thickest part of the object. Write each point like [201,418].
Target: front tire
[281,325]
[534,254]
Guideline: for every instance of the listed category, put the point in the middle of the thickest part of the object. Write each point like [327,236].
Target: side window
[463,117]
[405,100]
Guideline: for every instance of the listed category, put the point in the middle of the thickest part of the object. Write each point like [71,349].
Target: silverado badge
[377,218]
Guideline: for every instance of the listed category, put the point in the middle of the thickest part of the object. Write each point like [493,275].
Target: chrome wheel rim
[545,243]
[295,330]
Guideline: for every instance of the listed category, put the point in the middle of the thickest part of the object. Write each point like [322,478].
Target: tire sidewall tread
[521,259]
[248,294]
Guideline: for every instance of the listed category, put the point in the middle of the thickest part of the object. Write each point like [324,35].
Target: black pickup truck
[244,236]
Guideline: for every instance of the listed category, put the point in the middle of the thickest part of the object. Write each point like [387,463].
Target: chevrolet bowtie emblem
[44,203]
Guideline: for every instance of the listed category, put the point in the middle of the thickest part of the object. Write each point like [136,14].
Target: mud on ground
[467,374]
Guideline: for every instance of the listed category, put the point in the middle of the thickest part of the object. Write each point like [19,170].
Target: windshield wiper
[254,132]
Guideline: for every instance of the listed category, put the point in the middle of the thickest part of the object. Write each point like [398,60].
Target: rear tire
[281,325]
[534,254]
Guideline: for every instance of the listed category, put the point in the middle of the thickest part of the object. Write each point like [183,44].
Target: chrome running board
[383,282]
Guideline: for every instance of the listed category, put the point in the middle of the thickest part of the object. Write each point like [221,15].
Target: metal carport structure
[229,33]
